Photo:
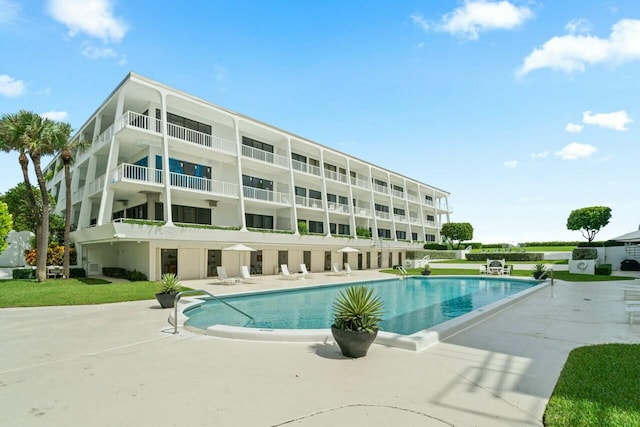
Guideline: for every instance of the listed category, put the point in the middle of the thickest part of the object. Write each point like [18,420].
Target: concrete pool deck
[119,364]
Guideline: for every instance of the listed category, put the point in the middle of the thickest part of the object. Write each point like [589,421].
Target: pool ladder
[199,291]
[403,272]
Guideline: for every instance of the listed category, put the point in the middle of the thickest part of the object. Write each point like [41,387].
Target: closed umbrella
[239,248]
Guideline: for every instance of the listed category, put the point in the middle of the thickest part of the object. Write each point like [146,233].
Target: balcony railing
[414,220]
[399,218]
[430,223]
[135,173]
[412,197]
[362,183]
[265,156]
[338,207]
[335,176]
[428,202]
[96,186]
[383,215]
[140,121]
[308,203]
[380,189]
[266,195]
[357,210]
[77,195]
[306,168]
[398,194]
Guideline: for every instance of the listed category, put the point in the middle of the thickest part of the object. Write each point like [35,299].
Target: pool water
[410,305]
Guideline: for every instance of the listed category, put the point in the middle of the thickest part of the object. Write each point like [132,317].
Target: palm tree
[30,134]
[66,155]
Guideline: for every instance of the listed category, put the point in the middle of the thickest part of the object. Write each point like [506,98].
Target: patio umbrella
[632,237]
[348,249]
[239,247]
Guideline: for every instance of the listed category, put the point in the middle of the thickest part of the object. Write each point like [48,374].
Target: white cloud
[123,60]
[55,115]
[574,128]
[93,52]
[573,52]
[11,87]
[9,12]
[540,155]
[476,16]
[616,121]
[578,26]
[92,17]
[511,164]
[576,151]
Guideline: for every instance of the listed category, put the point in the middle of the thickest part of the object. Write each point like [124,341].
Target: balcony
[359,211]
[430,223]
[202,139]
[306,168]
[361,183]
[399,218]
[398,194]
[335,176]
[77,195]
[380,189]
[96,186]
[338,207]
[140,174]
[413,197]
[266,195]
[414,220]
[308,203]
[265,156]
[383,215]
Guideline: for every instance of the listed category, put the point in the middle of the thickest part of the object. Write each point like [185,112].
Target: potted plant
[539,270]
[169,287]
[357,312]
[426,270]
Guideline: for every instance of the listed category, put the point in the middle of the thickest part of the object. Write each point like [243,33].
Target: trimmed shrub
[24,273]
[55,255]
[435,247]
[117,272]
[604,270]
[439,254]
[77,272]
[508,256]
[580,254]
[136,276]
[474,245]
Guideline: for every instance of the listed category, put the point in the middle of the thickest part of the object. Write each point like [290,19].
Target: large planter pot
[166,300]
[426,273]
[353,343]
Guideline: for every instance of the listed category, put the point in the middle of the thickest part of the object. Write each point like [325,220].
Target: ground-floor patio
[119,364]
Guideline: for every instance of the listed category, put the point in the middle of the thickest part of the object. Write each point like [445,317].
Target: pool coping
[418,341]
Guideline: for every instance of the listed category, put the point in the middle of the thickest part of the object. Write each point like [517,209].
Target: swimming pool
[412,305]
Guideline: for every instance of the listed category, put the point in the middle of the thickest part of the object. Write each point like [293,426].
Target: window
[136,212]
[378,182]
[398,211]
[330,167]
[343,229]
[313,194]
[314,162]
[301,192]
[331,198]
[414,237]
[384,233]
[397,188]
[316,227]
[188,123]
[259,221]
[185,214]
[401,235]
[428,199]
[430,218]
[249,142]
[382,208]
[185,168]
[343,200]
[430,237]
[299,157]
[251,181]
[332,228]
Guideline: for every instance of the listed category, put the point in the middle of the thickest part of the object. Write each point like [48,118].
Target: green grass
[598,386]
[565,275]
[29,293]
[561,275]
[533,249]
[464,261]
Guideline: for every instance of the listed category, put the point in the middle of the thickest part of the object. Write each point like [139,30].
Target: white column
[166,173]
[374,229]
[85,208]
[352,217]
[324,194]
[106,200]
[236,124]
[292,191]
[391,212]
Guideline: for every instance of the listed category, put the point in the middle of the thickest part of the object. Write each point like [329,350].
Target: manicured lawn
[532,249]
[28,293]
[598,386]
[561,275]
[565,275]
[464,261]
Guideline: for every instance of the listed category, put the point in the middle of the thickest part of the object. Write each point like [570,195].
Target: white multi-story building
[170,181]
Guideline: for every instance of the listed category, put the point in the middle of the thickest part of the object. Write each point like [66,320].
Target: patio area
[119,364]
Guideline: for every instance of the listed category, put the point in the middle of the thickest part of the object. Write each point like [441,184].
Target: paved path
[119,365]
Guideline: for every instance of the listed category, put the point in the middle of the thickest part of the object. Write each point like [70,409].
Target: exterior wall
[161,155]
[13,255]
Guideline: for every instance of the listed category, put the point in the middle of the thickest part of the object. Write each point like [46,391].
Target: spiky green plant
[170,284]
[356,308]
[539,270]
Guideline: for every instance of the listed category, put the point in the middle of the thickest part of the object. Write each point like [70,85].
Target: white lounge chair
[335,270]
[482,269]
[245,277]
[506,270]
[305,272]
[224,277]
[495,266]
[288,276]
[347,268]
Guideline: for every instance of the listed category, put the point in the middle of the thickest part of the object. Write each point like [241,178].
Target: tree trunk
[43,242]
[24,165]
[66,158]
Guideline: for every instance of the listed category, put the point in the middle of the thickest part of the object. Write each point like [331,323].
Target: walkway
[118,364]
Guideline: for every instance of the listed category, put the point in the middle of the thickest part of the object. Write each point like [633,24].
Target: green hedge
[508,256]
[604,270]
[606,244]
[435,247]
[584,254]
[432,254]
[77,272]
[24,273]
[136,276]
[117,272]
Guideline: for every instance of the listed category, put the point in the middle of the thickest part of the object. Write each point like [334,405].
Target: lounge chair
[288,276]
[305,272]
[495,266]
[506,270]
[347,268]
[335,270]
[224,277]
[245,277]
[482,269]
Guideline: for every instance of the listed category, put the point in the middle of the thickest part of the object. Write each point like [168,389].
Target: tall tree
[30,134]
[457,232]
[5,225]
[589,220]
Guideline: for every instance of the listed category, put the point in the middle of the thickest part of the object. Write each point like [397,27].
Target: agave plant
[539,270]
[170,284]
[357,309]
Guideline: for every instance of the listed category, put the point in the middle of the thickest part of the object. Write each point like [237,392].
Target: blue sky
[522,110]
